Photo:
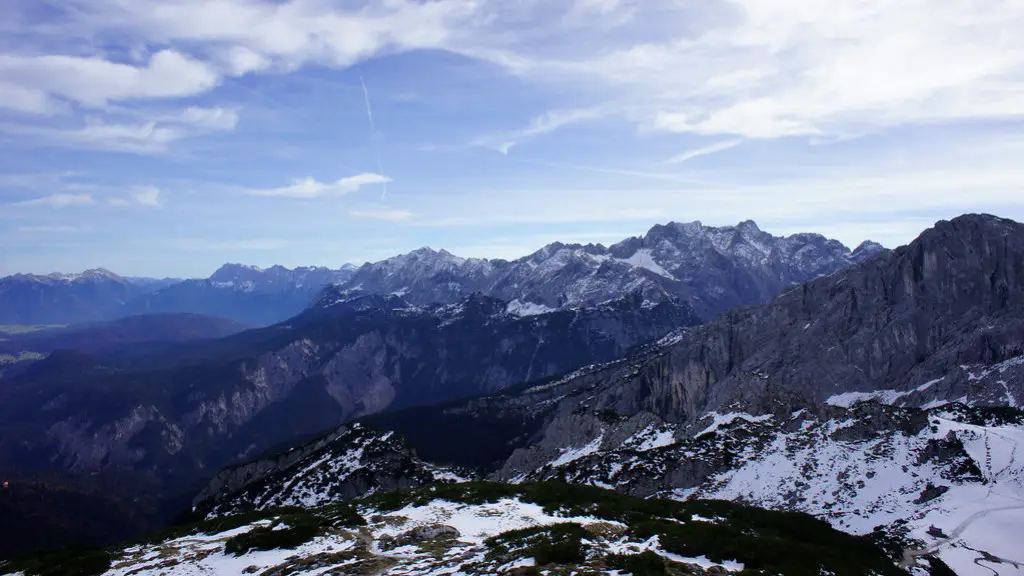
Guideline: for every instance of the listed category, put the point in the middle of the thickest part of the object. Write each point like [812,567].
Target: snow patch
[642,259]
[726,419]
[572,454]
[518,308]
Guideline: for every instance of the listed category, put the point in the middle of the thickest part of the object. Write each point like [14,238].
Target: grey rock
[931,492]
[427,533]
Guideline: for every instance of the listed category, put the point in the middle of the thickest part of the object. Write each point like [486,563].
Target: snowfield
[857,486]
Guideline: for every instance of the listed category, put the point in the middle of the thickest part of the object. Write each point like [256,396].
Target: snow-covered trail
[910,555]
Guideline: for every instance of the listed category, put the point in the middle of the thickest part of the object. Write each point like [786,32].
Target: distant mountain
[150,284]
[245,294]
[715,269]
[63,298]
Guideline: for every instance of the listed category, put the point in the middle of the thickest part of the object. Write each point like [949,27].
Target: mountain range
[713,269]
[584,409]
[883,398]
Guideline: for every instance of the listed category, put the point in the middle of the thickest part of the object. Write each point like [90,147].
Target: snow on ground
[889,397]
[857,486]
[204,555]
[518,308]
[363,549]
[642,259]
[650,438]
[478,522]
[572,454]
[624,546]
[726,419]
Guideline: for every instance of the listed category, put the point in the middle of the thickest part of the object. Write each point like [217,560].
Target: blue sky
[165,137]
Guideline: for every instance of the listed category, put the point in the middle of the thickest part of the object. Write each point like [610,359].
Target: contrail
[373,133]
[369,109]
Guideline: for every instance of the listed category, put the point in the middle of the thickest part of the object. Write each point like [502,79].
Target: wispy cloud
[144,196]
[642,174]
[309,188]
[52,229]
[703,151]
[388,215]
[95,81]
[137,133]
[59,200]
[544,124]
[216,244]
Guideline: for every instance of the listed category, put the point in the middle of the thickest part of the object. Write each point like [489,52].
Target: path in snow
[910,555]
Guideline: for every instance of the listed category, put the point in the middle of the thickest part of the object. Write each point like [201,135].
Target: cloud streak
[143,196]
[386,215]
[59,201]
[703,151]
[309,188]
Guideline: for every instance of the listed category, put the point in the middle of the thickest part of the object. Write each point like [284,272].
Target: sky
[166,137]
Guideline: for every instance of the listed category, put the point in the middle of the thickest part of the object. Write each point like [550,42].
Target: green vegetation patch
[643,564]
[271,538]
[766,542]
[64,562]
[292,528]
[553,544]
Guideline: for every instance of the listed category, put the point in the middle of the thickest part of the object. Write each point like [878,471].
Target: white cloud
[308,188]
[250,35]
[751,68]
[59,200]
[95,81]
[544,124]
[240,60]
[145,196]
[703,151]
[143,138]
[51,229]
[152,135]
[388,215]
[27,100]
[211,118]
[212,244]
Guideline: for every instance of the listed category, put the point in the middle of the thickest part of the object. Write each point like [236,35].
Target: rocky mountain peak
[748,226]
[867,250]
[100,274]
[230,272]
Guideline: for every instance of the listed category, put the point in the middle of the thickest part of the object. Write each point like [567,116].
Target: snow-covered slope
[482,529]
[948,480]
[351,462]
